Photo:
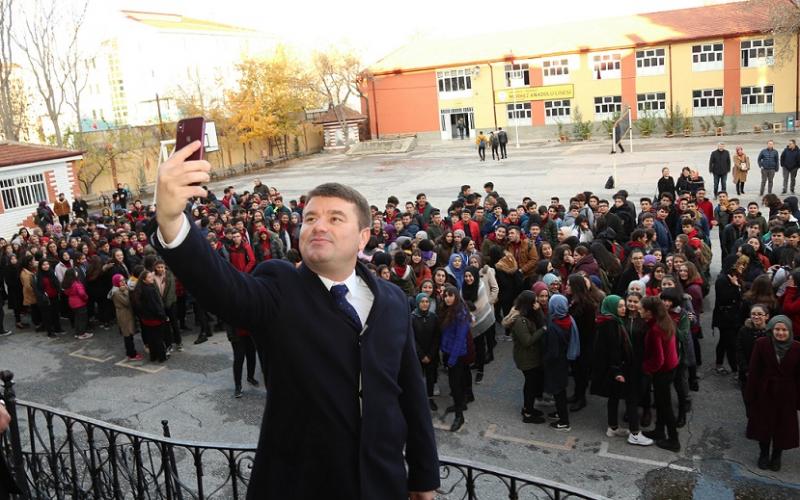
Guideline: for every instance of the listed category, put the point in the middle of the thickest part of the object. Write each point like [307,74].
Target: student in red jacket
[78,300]
[238,252]
[660,361]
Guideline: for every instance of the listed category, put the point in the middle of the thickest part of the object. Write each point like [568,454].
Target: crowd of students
[594,290]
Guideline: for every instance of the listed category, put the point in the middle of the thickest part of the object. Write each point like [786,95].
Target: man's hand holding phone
[176,177]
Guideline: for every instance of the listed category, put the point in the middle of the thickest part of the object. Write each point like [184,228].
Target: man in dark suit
[345,395]
[7,484]
[502,136]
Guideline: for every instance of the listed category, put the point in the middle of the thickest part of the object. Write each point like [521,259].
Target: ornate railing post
[170,467]
[10,397]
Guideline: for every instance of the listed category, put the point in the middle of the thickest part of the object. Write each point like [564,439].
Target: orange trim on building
[629,82]
[396,114]
[50,184]
[537,107]
[732,90]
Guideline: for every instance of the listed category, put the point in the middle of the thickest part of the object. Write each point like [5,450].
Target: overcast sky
[376,28]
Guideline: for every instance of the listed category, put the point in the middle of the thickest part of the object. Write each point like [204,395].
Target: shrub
[646,124]
[580,128]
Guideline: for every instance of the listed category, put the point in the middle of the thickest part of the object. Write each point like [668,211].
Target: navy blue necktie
[339,293]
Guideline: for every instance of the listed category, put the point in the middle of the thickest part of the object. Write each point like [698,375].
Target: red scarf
[564,323]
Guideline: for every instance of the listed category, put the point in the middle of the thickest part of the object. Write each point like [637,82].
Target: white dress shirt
[358,293]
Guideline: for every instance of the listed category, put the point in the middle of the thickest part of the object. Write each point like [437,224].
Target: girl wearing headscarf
[772,392]
[559,346]
[660,361]
[754,328]
[455,346]
[527,333]
[741,165]
[426,335]
[613,370]
[455,270]
[476,296]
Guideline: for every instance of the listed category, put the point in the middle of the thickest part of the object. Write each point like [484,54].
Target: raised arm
[239,299]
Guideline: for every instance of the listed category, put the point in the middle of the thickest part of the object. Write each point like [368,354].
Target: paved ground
[194,389]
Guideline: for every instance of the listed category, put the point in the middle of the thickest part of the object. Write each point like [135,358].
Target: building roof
[173,22]
[672,26]
[17,153]
[330,115]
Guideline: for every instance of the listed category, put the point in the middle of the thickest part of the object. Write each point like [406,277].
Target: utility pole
[160,121]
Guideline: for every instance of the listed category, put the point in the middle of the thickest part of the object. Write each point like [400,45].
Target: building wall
[392,96]
[400,94]
[57,179]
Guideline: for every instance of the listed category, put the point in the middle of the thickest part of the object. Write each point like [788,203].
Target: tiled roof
[15,153]
[167,21]
[671,26]
[330,115]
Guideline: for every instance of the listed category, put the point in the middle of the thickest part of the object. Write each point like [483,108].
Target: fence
[56,454]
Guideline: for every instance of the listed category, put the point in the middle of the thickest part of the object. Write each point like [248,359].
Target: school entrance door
[450,120]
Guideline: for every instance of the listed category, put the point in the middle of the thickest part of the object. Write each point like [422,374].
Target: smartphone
[190,130]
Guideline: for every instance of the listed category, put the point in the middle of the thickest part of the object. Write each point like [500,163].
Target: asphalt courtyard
[194,390]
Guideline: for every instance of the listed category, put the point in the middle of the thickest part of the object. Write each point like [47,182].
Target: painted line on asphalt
[79,354]
[491,433]
[124,364]
[655,463]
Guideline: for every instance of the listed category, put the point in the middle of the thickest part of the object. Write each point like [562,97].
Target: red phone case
[188,131]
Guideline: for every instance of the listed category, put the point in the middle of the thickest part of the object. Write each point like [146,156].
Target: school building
[711,61]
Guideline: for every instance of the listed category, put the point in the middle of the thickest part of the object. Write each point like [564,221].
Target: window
[757,53]
[649,62]
[517,75]
[707,57]
[757,99]
[557,111]
[555,71]
[23,191]
[455,83]
[707,102]
[519,113]
[607,66]
[654,103]
[606,106]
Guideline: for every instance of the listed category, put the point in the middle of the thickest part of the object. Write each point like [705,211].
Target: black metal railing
[55,454]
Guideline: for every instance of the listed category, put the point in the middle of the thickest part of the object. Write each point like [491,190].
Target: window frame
[517,75]
[519,114]
[700,103]
[644,104]
[605,108]
[644,61]
[460,78]
[756,45]
[16,190]
[556,112]
[604,58]
[708,56]
[556,70]
[766,94]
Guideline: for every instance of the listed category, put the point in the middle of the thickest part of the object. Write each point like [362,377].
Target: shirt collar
[351,282]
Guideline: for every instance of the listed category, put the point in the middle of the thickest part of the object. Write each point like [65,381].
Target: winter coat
[587,264]
[76,295]
[527,339]
[13,286]
[790,306]
[484,312]
[773,395]
[611,357]
[489,280]
[426,334]
[745,343]
[720,162]
[660,352]
[790,158]
[122,304]
[509,281]
[556,366]
[768,159]
[149,307]
[406,281]
[727,304]
[666,185]
[169,297]
[740,175]
[584,317]
[28,294]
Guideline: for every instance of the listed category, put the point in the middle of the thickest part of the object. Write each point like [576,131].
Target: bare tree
[49,35]
[338,74]
[784,24]
[75,65]
[11,122]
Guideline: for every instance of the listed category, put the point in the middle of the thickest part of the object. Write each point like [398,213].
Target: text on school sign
[545,93]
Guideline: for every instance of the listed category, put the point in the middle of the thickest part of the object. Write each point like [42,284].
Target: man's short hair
[420,195]
[346,193]
[489,185]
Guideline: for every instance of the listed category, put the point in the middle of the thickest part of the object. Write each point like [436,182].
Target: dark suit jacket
[317,439]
